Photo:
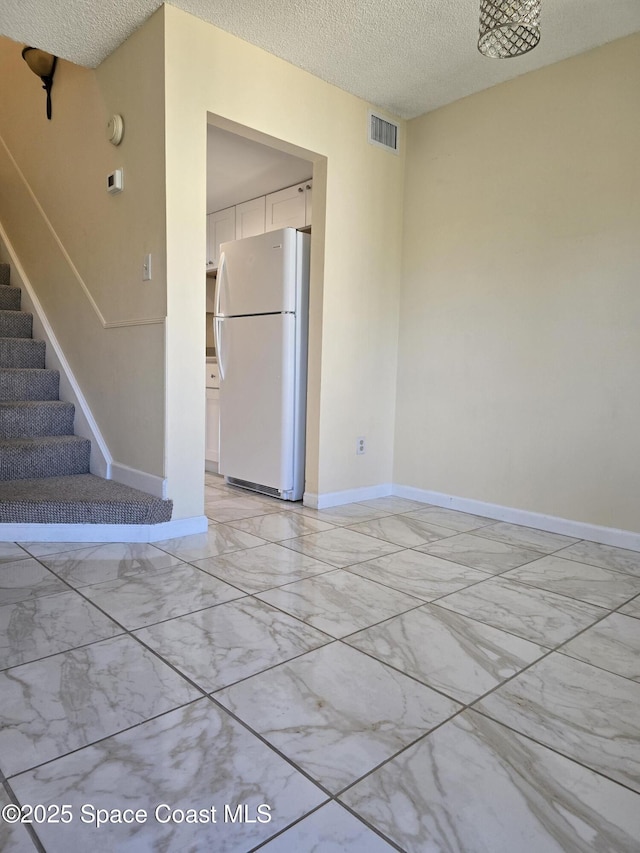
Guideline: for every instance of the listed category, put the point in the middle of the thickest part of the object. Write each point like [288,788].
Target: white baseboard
[348,496]
[551,523]
[103,532]
[150,483]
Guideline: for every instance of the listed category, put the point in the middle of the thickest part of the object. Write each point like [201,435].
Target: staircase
[44,467]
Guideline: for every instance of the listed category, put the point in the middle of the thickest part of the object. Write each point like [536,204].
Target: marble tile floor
[380,676]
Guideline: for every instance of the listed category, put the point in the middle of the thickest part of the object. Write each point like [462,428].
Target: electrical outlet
[360,445]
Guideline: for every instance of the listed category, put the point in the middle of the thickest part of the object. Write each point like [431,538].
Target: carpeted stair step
[30,418]
[50,456]
[82,499]
[28,384]
[21,352]
[10,298]
[15,324]
[5,274]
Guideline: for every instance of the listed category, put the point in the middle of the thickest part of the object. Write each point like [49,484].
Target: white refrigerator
[260,327]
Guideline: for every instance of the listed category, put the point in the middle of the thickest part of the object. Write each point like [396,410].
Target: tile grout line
[333,799]
[555,750]
[573,597]
[29,828]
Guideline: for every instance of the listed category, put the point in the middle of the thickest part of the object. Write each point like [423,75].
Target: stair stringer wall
[84,422]
[102,463]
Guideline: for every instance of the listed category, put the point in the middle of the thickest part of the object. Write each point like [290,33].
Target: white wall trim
[84,422]
[150,483]
[103,532]
[366,493]
[527,518]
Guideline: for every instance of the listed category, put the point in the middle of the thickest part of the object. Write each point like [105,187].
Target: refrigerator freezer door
[257,398]
[258,275]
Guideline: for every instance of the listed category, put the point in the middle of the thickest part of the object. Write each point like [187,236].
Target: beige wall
[83,248]
[86,266]
[355,256]
[520,323]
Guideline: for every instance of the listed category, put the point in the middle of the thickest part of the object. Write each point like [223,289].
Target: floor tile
[456,655]
[14,838]
[336,712]
[221,645]
[61,703]
[344,666]
[460,521]
[41,549]
[486,554]
[393,504]
[212,478]
[341,547]
[473,786]
[585,713]
[10,552]
[230,508]
[331,830]
[632,608]
[339,603]
[25,579]
[613,644]
[577,580]
[341,515]
[142,599]
[402,530]
[218,539]
[98,563]
[418,574]
[192,758]
[212,492]
[605,556]
[49,624]
[262,568]
[533,614]
[515,534]
[280,525]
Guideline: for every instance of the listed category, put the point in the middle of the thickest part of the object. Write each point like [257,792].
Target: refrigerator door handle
[217,336]
[217,320]
[219,276]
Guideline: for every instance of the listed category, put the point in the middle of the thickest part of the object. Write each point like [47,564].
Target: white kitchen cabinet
[250,218]
[212,413]
[212,428]
[308,192]
[287,208]
[221,227]
[290,207]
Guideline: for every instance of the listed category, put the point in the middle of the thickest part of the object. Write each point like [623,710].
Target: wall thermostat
[115,182]
[115,129]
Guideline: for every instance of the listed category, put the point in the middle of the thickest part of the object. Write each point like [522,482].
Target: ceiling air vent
[383,132]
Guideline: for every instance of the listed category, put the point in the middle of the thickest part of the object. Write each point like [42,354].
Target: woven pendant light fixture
[508,28]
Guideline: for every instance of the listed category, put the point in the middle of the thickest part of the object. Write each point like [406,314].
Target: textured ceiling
[239,169]
[406,56]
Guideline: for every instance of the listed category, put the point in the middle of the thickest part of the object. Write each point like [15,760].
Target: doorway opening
[257,184]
